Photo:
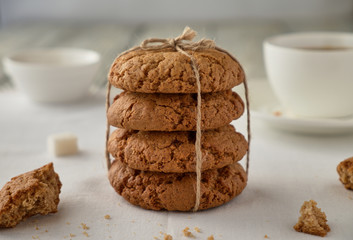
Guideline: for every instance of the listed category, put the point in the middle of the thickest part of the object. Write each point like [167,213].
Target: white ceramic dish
[265,107]
[52,75]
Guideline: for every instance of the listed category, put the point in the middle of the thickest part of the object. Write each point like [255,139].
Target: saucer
[266,108]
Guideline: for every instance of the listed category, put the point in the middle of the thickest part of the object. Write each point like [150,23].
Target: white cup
[53,75]
[312,72]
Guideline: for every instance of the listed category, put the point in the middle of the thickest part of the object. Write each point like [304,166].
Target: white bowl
[53,74]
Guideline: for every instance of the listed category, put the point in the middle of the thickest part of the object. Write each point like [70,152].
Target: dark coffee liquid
[327,48]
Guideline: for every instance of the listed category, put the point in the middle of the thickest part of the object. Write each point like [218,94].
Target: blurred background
[111,27]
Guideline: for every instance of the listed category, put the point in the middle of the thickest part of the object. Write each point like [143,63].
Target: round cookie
[173,112]
[175,151]
[176,191]
[169,71]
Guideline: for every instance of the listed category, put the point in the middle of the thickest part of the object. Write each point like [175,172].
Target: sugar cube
[62,144]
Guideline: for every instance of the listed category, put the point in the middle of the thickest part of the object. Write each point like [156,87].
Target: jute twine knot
[181,44]
[178,43]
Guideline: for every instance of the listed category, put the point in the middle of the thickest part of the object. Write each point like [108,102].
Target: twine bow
[181,44]
[178,43]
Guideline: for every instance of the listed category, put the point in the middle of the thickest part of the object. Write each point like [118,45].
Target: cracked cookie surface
[173,112]
[169,71]
[176,191]
[175,151]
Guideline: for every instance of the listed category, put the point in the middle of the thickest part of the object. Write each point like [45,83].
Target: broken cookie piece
[312,220]
[29,194]
[345,171]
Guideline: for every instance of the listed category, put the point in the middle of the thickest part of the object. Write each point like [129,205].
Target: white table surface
[285,170]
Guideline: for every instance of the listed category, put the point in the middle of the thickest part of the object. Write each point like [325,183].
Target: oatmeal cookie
[176,191]
[168,71]
[175,151]
[173,112]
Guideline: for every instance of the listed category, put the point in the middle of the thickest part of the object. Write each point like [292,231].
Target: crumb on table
[187,233]
[197,229]
[107,216]
[277,113]
[312,220]
[266,236]
[84,226]
[210,237]
[168,237]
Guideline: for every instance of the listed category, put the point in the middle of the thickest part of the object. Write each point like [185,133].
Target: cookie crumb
[266,236]
[312,220]
[85,233]
[187,233]
[277,113]
[37,228]
[156,238]
[197,229]
[84,226]
[168,237]
[345,172]
[210,237]
[35,237]
[107,217]
[72,235]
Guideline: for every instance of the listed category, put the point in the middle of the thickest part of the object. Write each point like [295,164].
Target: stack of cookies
[155,116]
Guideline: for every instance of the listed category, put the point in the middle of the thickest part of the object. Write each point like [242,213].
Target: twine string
[198,129]
[247,104]
[107,130]
[181,44]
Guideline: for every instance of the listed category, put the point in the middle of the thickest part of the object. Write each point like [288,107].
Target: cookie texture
[345,172]
[312,220]
[168,71]
[176,191]
[173,112]
[175,151]
[31,193]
